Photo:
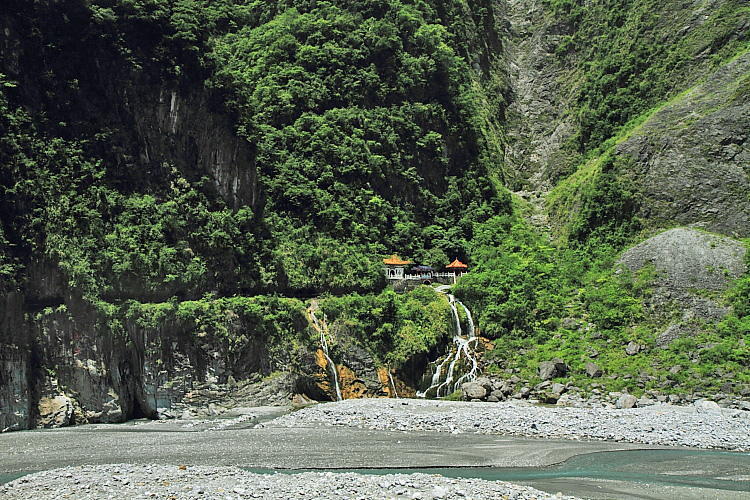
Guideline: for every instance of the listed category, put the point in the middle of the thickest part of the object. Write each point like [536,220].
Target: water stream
[442,381]
[322,328]
[393,384]
[615,474]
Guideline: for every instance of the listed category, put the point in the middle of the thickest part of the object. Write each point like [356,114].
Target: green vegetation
[638,53]
[395,328]
[373,126]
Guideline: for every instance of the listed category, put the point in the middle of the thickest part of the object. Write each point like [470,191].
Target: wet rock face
[182,128]
[538,123]
[692,158]
[14,394]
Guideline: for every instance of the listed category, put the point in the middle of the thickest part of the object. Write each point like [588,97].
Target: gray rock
[548,397]
[473,390]
[569,323]
[485,382]
[645,401]
[497,394]
[552,369]
[506,388]
[439,492]
[165,414]
[542,386]
[632,348]
[626,401]
[593,370]
[688,158]
[686,260]
[706,406]
[558,389]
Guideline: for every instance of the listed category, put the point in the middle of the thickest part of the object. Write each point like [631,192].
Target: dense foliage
[394,327]
[639,53]
[375,126]
[363,119]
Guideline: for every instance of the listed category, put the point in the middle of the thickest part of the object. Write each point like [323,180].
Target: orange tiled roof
[457,264]
[394,260]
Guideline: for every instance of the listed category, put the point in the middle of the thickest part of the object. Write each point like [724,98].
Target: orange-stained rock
[322,377]
[351,386]
[385,381]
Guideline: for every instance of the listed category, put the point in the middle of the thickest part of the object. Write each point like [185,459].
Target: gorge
[180,181]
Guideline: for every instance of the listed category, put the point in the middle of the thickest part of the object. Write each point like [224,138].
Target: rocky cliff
[692,157]
[165,169]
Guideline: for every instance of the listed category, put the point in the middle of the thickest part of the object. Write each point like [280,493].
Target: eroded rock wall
[692,158]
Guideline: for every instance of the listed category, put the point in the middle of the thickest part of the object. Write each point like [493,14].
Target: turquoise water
[698,469]
[6,478]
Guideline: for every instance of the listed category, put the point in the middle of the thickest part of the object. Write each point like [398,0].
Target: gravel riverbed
[227,483]
[698,426]
[662,424]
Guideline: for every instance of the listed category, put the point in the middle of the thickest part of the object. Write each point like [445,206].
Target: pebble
[657,424]
[216,483]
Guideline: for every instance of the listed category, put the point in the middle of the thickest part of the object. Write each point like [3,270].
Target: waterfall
[461,347]
[321,327]
[393,384]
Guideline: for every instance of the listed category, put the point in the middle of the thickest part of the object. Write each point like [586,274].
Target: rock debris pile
[703,425]
[226,483]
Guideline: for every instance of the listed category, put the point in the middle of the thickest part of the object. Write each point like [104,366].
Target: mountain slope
[177,176]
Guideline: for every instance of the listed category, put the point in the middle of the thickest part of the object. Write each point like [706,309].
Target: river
[592,469]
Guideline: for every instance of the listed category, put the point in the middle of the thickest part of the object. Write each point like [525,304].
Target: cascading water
[393,384]
[321,327]
[462,346]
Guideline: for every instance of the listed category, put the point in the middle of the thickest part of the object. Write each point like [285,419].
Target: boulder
[548,397]
[473,390]
[558,389]
[497,394]
[542,386]
[552,369]
[506,388]
[485,382]
[645,401]
[632,349]
[593,370]
[706,406]
[55,411]
[626,401]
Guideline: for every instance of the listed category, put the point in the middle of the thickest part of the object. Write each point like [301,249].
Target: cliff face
[691,158]
[538,118]
[411,162]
